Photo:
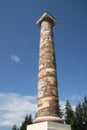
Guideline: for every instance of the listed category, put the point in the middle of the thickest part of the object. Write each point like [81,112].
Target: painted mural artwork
[48,102]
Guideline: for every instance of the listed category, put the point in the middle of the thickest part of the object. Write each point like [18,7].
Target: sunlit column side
[48,102]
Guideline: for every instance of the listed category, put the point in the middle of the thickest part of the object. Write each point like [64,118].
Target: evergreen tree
[69,115]
[27,121]
[84,105]
[79,117]
[14,127]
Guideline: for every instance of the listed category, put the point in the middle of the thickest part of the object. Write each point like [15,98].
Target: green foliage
[84,105]
[27,121]
[69,114]
[14,127]
[78,118]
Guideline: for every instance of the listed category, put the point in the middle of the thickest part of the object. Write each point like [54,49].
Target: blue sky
[19,50]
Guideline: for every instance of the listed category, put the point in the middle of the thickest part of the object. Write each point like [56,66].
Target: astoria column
[48,101]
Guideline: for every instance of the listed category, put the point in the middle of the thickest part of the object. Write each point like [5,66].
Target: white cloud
[15,58]
[62,107]
[14,107]
[74,100]
[76,97]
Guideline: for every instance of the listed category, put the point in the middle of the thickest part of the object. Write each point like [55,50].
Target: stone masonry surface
[48,102]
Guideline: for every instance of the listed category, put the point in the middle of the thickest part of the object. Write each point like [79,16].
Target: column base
[48,126]
[48,118]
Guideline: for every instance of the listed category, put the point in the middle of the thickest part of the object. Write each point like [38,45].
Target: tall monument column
[48,101]
[47,117]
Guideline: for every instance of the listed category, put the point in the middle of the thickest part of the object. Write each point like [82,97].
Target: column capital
[46,17]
